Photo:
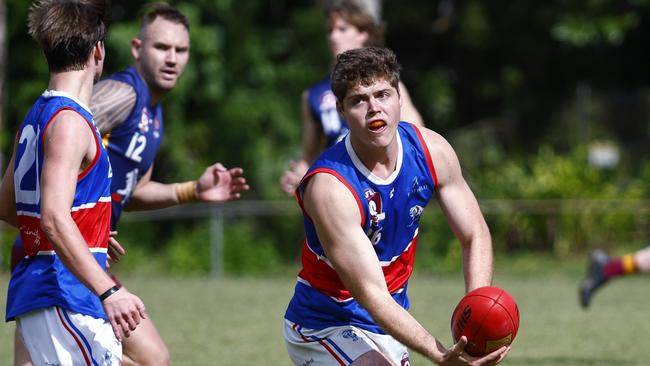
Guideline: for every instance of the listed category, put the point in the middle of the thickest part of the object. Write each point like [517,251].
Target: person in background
[603,268]
[349,26]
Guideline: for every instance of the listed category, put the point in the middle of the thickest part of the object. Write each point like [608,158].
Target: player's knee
[149,354]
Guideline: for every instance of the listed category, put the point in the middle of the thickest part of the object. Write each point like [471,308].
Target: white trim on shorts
[338,345]
[55,336]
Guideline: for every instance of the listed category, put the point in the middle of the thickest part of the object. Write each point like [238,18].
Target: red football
[488,317]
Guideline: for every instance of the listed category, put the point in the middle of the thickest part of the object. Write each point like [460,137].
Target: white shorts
[339,345]
[55,336]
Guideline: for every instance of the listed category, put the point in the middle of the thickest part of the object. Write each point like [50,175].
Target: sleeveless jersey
[322,105]
[133,144]
[390,214]
[40,279]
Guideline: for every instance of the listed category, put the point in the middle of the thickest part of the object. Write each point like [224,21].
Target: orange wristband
[186,191]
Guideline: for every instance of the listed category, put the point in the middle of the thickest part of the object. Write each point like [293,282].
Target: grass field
[236,321]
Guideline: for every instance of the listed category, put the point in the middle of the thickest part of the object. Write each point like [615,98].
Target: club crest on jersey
[144,121]
[374,206]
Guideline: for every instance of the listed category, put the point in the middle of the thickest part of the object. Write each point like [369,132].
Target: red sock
[620,266]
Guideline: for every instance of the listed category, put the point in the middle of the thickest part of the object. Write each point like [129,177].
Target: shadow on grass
[568,361]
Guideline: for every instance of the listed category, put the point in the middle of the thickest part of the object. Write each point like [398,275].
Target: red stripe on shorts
[74,336]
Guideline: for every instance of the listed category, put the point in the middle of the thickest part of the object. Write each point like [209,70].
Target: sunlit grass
[237,321]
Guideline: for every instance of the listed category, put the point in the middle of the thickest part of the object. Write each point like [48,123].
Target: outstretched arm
[216,184]
[462,211]
[336,216]
[111,103]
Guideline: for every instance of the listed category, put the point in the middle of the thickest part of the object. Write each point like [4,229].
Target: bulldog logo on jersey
[374,206]
[415,212]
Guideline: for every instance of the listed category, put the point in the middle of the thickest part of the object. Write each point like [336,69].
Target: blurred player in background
[362,201]
[129,114]
[56,190]
[349,26]
[603,268]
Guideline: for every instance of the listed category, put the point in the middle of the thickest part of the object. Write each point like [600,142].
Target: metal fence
[217,214]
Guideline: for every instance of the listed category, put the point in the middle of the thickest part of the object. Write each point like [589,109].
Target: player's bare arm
[463,213]
[7,196]
[67,151]
[313,140]
[313,143]
[408,112]
[111,103]
[216,184]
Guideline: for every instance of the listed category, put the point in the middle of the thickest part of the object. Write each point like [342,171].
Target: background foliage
[522,89]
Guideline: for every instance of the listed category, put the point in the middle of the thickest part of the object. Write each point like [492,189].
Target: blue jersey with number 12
[133,144]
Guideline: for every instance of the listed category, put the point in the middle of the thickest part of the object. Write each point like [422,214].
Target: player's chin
[167,83]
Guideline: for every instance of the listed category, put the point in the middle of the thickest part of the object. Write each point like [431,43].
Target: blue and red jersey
[40,279]
[390,212]
[133,144]
[322,106]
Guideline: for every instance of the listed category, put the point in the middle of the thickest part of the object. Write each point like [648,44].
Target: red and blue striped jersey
[390,212]
[40,279]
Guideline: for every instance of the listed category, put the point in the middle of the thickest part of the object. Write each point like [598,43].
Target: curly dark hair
[362,66]
[67,30]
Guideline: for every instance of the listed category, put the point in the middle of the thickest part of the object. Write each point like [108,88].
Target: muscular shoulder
[445,160]
[68,129]
[112,102]
[326,197]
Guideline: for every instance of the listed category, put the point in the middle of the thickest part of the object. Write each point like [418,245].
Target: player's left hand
[219,184]
[115,249]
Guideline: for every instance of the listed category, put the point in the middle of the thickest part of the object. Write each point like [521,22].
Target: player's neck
[78,83]
[380,161]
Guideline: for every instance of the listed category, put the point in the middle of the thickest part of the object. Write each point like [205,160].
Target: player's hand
[124,311]
[291,177]
[218,184]
[456,355]
[115,249]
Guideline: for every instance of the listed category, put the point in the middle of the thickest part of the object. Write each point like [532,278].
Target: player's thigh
[57,336]
[343,345]
[21,356]
[145,346]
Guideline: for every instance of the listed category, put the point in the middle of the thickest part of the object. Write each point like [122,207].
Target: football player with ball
[362,201]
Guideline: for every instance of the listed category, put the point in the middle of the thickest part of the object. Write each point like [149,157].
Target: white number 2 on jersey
[26,162]
[136,146]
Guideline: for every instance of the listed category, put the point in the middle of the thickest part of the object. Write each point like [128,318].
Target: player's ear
[99,53]
[364,38]
[136,44]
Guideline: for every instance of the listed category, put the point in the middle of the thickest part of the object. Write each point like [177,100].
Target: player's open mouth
[376,125]
[169,74]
